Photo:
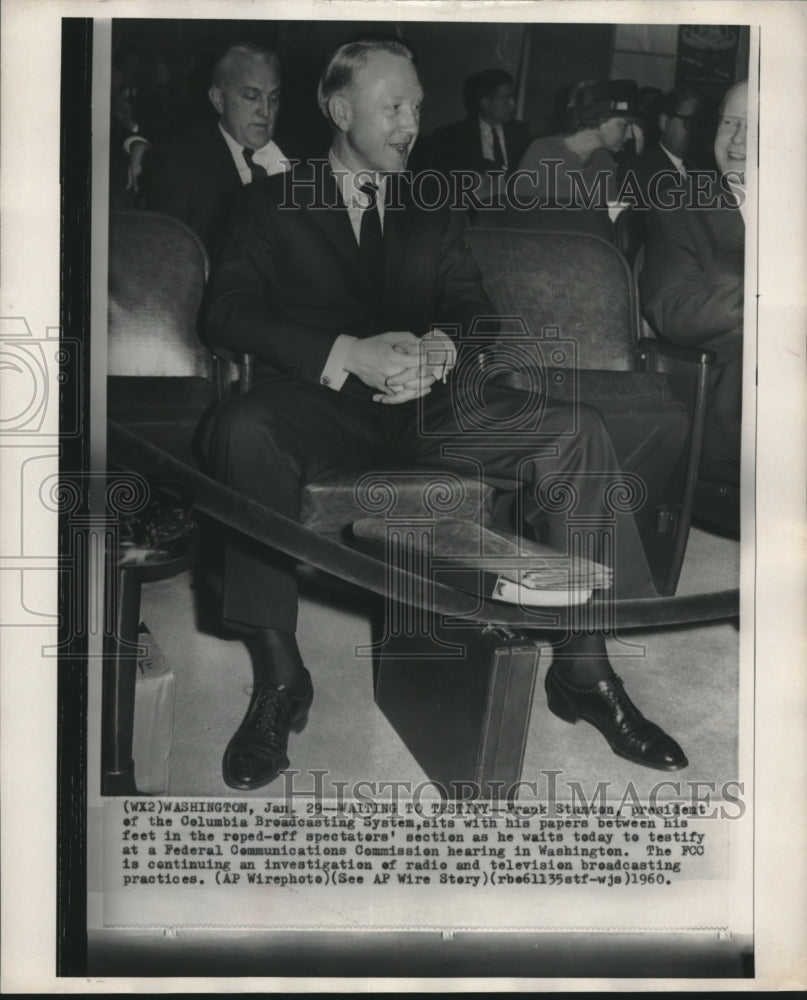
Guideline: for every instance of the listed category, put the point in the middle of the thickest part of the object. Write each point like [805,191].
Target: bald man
[195,177]
[692,282]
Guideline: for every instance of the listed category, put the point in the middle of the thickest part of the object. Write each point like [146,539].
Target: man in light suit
[195,177]
[337,277]
[692,283]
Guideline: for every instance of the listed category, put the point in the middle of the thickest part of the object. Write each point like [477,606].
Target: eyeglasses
[686,119]
[730,123]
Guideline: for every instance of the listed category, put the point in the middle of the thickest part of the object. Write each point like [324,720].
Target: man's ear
[216,99]
[341,112]
[663,122]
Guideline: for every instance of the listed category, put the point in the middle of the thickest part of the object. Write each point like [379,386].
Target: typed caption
[249,844]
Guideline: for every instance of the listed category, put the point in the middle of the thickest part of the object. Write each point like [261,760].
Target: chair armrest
[604,389]
[660,348]
[243,362]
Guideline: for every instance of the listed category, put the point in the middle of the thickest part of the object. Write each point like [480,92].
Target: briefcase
[460,697]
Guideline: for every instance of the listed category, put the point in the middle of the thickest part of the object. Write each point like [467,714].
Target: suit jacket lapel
[475,137]
[730,228]
[330,214]
[335,223]
[723,226]
[222,162]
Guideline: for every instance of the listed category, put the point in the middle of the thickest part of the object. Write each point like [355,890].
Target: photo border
[71,788]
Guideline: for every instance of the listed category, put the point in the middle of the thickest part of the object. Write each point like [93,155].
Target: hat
[610,99]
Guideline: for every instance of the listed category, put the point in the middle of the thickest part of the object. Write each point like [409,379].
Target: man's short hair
[344,62]
[590,103]
[481,85]
[245,50]
[676,98]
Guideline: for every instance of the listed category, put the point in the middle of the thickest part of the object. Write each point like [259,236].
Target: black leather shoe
[609,709]
[257,752]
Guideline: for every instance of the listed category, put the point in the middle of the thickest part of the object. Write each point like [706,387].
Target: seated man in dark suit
[665,162]
[358,300]
[692,282]
[647,179]
[195,176]
[489,138]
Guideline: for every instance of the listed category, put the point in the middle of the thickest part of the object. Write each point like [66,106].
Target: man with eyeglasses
[664,165]
[692,282]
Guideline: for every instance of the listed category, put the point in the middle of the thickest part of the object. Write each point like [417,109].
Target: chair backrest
[575,282]
[545,218]
[157,273]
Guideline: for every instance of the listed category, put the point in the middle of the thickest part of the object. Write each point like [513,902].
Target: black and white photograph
[406,493]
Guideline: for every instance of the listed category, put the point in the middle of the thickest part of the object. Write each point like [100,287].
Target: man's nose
[409,122]
[263,107]
[740,133]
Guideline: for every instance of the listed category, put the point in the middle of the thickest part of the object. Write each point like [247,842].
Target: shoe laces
[272,706]
[614,691]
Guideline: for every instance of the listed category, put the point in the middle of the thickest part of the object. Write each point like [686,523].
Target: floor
[686,679]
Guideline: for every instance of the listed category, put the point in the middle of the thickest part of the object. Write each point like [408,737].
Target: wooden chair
[160,381]
[576,295]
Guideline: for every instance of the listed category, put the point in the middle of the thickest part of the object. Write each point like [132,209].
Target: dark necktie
[255,169]
[371,238]
[498,152]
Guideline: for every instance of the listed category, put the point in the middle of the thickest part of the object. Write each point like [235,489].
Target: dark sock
[582,660]
[276,659]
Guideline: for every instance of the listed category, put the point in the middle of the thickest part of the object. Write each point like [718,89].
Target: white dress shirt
[269,157]
[486,133]
[677,162]
[357,202]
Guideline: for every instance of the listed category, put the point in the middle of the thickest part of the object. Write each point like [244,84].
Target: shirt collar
[487,127]
[348,182]
[677,161]
[237,149]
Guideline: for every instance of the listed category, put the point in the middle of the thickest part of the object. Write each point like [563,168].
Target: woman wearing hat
[577,169]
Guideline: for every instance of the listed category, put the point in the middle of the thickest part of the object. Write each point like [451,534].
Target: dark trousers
[281,435]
